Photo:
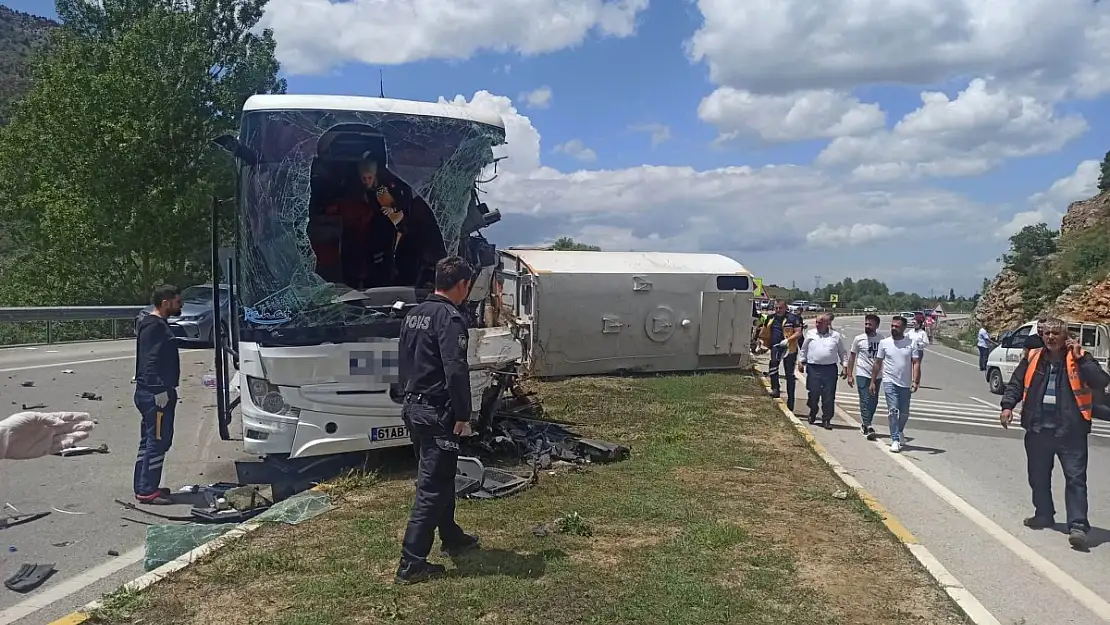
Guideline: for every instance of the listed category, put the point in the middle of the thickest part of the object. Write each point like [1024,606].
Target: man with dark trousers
[783,335]
[435,381]
[157,374]
[1057,386]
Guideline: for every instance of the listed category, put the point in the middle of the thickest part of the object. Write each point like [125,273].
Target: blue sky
[850,174]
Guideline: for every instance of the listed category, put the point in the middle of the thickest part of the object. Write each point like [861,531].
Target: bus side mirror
[233,146]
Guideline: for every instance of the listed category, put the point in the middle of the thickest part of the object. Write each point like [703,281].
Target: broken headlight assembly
[268,397]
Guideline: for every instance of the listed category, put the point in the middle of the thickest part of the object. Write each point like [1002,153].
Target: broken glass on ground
[165,543]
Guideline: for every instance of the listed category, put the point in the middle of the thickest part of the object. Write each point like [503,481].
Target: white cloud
[822,114]
[1050,205]
[855,234]
[660,133]
[758,214]
[576,149]
[539,98]
[969,135]
[316,35]
[780,46]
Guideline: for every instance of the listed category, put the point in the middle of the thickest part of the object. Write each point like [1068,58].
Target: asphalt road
[960,486]
[85,523]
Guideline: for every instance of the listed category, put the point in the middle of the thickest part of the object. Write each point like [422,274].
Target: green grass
[677,535]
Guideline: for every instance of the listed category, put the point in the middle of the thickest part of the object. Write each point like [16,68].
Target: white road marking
[1046,568]
[986,403]
[63,364]
[962,362]
[74,584]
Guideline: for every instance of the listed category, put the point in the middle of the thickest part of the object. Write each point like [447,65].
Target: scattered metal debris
[91,396]
[27,383]
[19,518]
[473,480]
[113,553]
[74,512]
[67,371]
[81,451]
[29,577]
[34,407]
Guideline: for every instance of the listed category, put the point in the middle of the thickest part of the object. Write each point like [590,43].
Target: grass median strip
[722,515]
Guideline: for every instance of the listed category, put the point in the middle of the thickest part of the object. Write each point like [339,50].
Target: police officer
[435,380]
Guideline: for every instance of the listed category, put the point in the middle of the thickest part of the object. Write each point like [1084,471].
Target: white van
[1095,338]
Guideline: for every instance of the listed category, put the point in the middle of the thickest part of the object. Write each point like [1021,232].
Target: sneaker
[896,447]
[159,497]
[416,572]
[870,433]
[455,550]
[1038,522]
[1077,538]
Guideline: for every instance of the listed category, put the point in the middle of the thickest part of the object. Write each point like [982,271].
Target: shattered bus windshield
[340,205]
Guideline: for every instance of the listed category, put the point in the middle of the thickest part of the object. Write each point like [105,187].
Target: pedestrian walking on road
[783,333]
[822,358]
[157,375]
[861,360]
[435,382]
[919,333]
[898,366]
[985,345]
[1054,385]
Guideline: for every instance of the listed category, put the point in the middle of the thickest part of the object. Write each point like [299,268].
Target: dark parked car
[196,321]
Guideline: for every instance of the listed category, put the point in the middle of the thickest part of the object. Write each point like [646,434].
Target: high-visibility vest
[1084,399]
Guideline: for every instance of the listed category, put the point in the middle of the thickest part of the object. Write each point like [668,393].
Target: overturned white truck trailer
[582,313]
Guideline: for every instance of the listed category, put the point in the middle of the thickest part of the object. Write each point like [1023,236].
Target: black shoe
[775,394]
[415,572]
[812,419]
[457,549]
[790,405]
[871,435]
[827,425]
[1039,522]
[1077,538]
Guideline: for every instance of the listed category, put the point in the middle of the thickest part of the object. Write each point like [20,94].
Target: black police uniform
[435,380]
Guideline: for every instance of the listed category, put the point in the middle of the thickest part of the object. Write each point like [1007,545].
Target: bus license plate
[389,433]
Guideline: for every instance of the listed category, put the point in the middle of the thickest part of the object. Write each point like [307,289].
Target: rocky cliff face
[1000,307]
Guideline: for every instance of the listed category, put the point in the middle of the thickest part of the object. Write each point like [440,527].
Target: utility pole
[817,283]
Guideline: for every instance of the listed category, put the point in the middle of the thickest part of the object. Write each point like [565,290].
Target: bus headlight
[268,397]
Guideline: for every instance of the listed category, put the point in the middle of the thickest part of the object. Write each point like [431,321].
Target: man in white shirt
[823,351]
[898,365]
[985,345]
[860,365]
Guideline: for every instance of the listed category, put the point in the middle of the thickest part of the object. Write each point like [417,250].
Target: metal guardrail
[51,315]
[68,313]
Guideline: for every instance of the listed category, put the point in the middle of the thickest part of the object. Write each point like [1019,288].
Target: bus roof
[284,102]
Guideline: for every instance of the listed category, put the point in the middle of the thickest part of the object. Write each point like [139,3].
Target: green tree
[565,244]
[1104,173]
[112,146]
[1029,247]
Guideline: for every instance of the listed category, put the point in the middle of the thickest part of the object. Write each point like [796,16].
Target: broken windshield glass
[349,200]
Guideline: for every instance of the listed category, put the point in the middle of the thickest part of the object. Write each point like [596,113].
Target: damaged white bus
[323,276]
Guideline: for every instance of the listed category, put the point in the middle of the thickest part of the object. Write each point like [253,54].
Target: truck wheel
[994,376]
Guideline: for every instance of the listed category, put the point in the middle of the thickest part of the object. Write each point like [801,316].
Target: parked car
[870,309]
[196,321]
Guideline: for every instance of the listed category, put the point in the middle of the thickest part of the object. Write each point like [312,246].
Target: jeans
[868,401]
[781,355]
[1041,450]
[984,352]
[437,451]
[897,407]
[155,439]
[821,384]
